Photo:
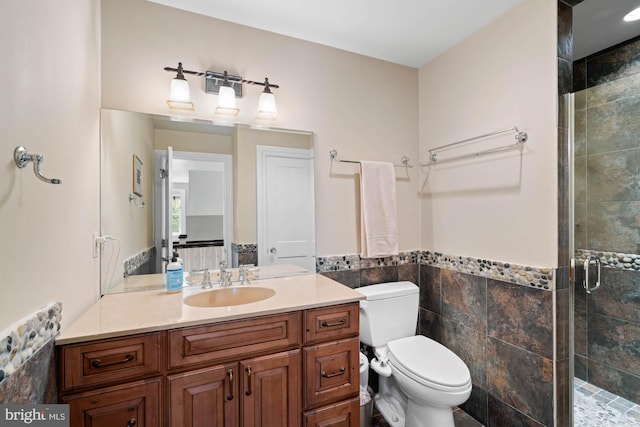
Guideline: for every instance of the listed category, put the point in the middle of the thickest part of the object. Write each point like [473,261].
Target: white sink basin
[229,296]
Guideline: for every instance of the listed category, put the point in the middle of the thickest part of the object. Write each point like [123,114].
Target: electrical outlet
[95,239]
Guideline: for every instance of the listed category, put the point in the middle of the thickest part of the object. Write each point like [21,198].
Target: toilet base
[419,415]
[390,410]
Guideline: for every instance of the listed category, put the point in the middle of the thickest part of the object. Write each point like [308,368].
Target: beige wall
[500,207]
[193,141]
[123,135]
[364,108]
[49,102]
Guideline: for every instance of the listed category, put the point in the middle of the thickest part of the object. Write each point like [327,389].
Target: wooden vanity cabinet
[290,369]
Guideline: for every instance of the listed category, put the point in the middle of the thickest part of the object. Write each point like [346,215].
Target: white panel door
[287,232]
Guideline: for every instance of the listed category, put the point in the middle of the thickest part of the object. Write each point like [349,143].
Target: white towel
[378,216]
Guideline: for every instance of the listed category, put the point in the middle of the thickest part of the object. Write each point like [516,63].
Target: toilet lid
[427,360]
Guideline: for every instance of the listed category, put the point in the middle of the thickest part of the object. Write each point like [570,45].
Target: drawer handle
[248,371]
[97,363]
[131,422]
[326,324]
[324,374]
[230,396]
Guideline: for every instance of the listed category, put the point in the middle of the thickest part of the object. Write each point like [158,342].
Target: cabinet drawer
[110,360]
[132,404]
[233,340]
[330,323]
[331,371]
[337,415]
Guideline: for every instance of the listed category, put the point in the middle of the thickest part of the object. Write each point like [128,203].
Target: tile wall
[27,358]
[502,328]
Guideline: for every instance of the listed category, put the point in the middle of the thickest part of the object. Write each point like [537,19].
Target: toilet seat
[429,363]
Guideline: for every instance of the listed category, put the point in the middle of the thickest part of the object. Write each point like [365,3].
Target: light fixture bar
[175,70]
[220,76]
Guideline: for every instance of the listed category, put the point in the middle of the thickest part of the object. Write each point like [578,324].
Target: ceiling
[407,32]
[597,24]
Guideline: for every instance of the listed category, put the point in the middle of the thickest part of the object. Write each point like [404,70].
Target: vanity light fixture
[634,15]
[228,87]
[179,97]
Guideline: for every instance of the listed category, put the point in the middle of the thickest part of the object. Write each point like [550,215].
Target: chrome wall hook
[21,156]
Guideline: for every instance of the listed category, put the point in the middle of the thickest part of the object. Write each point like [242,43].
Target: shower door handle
[587,263]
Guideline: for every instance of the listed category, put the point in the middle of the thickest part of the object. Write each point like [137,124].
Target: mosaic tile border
[355,262]
[536,277]
[244,248]
[20,341]
[135,262]
[611,259]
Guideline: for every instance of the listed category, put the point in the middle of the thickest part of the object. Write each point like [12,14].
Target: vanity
[148,359]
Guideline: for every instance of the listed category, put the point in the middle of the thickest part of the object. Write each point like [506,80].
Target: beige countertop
[128,313]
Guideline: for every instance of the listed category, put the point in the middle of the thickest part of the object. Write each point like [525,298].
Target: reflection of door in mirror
[195,215]
[285,207]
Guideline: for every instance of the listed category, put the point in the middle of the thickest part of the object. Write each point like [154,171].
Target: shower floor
[593,406]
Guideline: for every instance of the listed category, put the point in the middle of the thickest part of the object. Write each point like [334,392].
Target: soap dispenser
[174,276]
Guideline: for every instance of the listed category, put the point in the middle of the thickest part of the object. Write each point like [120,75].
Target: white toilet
[420,379]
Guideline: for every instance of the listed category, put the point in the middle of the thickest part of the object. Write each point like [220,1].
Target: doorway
[286,207]
[194,207]
[606,247]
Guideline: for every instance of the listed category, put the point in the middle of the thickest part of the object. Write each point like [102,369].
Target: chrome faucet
[225,274]
[206,280]
[242,275]
[225,277]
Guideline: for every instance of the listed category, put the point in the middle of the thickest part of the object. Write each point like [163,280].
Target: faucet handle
[206,280]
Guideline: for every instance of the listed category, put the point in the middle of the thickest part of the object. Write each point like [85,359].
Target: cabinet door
[133,404]
[202,398]
[271,390]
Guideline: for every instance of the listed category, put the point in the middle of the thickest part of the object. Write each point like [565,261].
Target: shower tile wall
[607,208]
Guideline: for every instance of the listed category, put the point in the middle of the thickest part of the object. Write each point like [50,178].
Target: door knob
[273,250]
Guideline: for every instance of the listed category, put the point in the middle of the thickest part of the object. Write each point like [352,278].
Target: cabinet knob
[131,422]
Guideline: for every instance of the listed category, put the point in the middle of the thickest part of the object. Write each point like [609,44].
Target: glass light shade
[180,91]
[267,106]
[227,101]
[179,98]
[634,15]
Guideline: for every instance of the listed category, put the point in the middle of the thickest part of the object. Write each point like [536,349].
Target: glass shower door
[606,240]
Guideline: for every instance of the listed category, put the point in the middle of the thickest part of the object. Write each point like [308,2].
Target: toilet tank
[389,312]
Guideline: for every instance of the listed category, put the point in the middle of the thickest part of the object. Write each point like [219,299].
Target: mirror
[205,192]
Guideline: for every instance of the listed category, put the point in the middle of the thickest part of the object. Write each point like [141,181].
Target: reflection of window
[178,203]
